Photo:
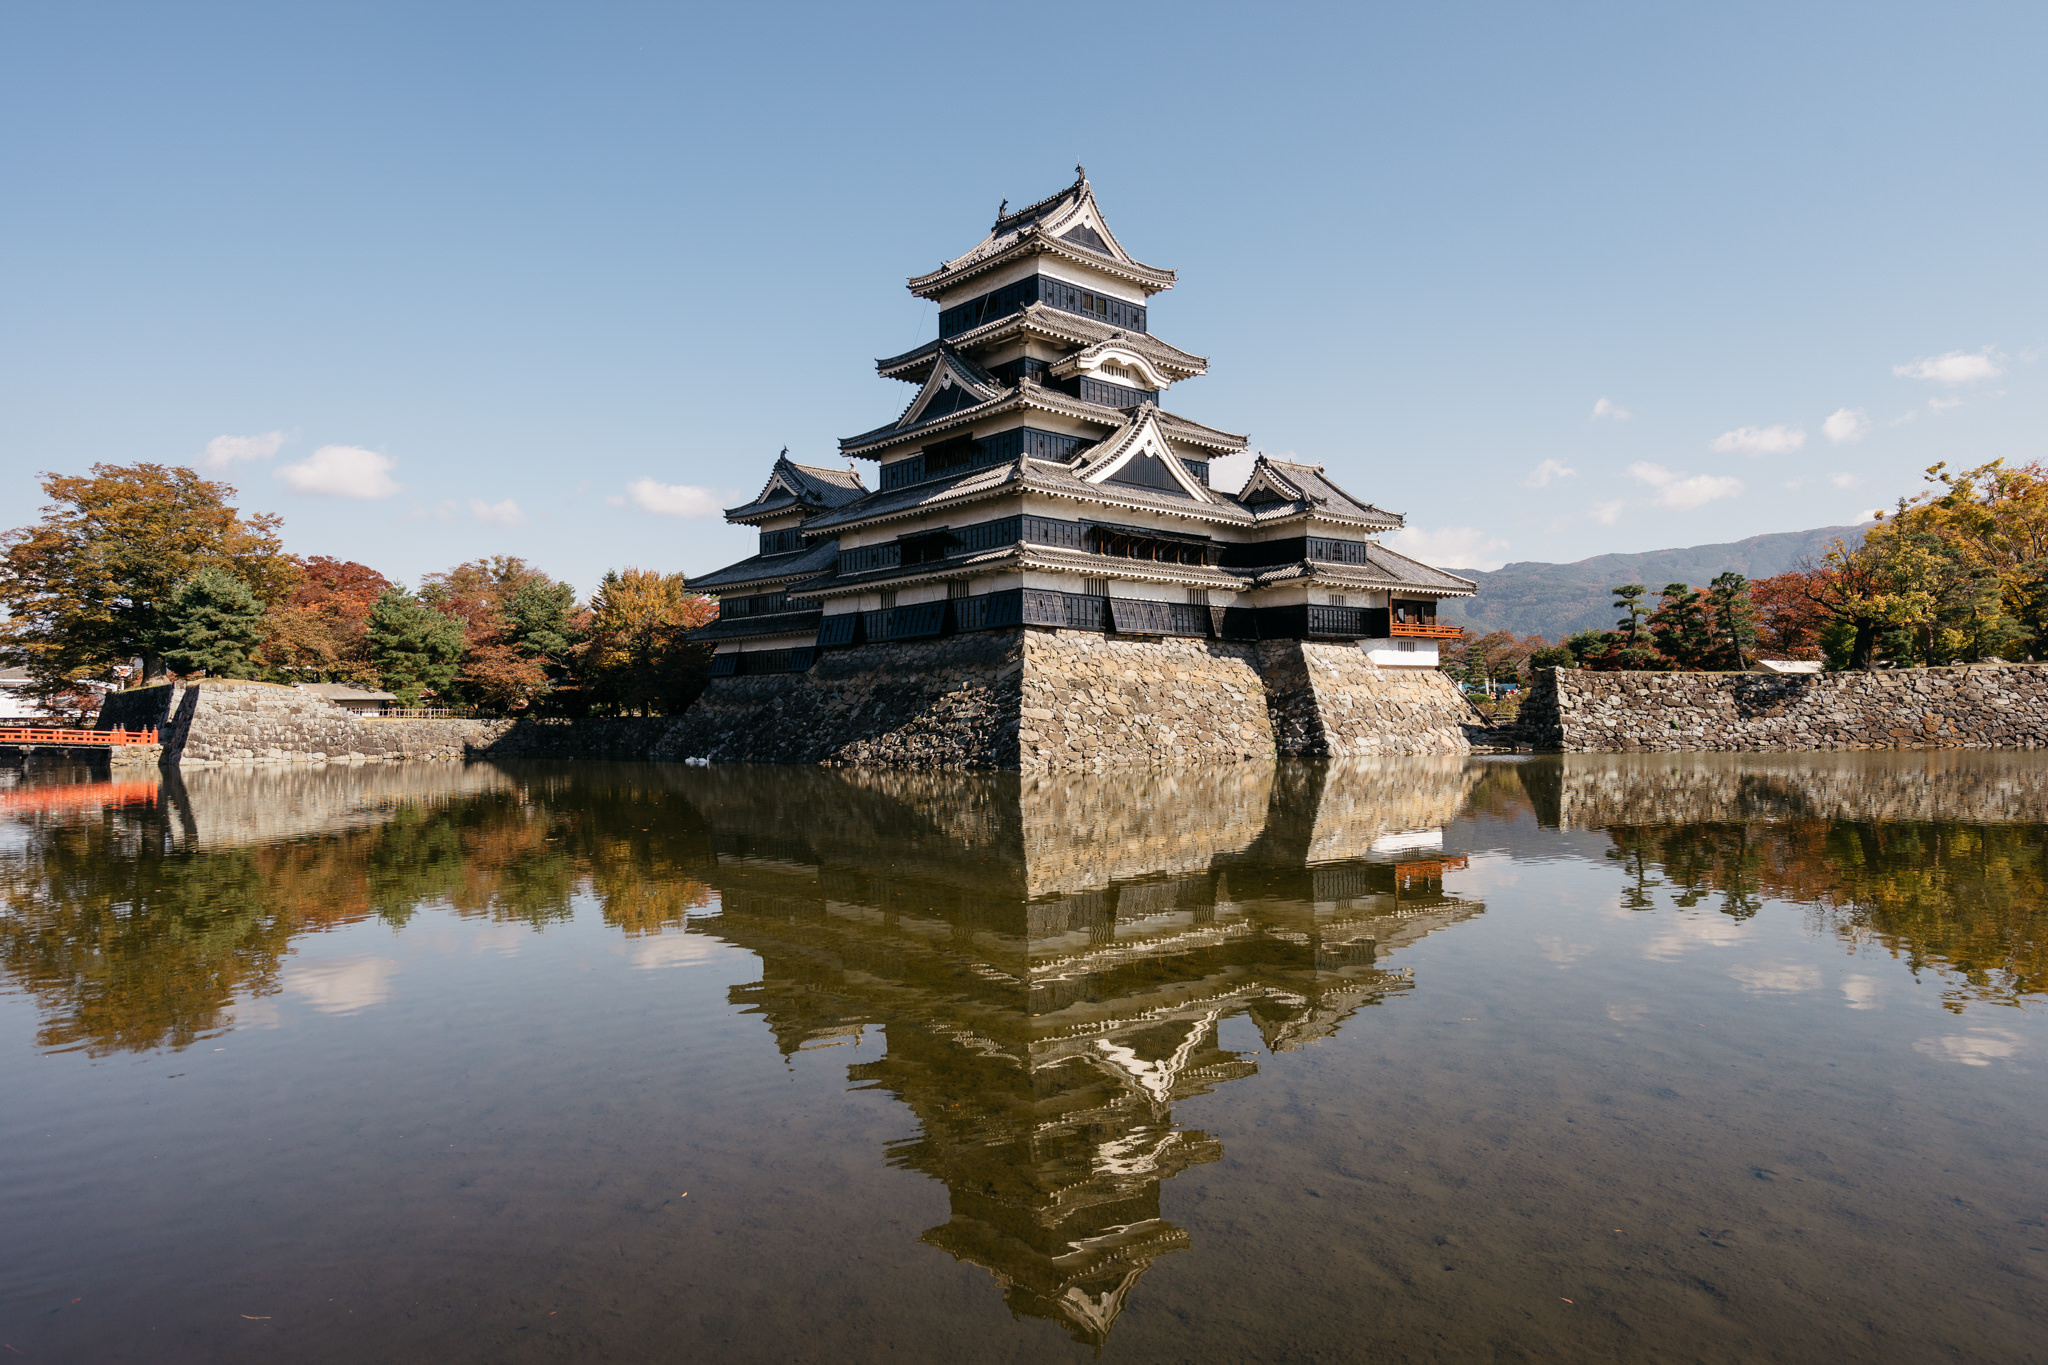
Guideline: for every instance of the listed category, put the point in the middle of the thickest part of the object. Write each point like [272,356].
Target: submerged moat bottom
[1588,1058]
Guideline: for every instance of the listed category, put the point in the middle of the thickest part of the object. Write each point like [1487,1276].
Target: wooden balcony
[1425,630]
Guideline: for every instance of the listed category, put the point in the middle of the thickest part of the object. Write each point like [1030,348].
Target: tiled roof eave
[738,587]
[755,627]
[1279,514]
[1141,570]
[1032,242]
[869,445]
[1042,558]
[748,513]
[1221,513]
[1050,324]
[1353,576]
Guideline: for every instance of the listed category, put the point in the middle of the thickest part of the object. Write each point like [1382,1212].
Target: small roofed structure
[349,697]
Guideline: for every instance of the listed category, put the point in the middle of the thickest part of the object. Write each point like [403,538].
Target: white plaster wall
[1400,653]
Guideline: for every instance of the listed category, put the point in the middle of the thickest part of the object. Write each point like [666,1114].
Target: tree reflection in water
[1050,961]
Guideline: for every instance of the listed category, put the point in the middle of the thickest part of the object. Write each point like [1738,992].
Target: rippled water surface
[1578,1058]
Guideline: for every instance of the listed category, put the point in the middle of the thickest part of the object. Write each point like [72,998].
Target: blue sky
[437,281]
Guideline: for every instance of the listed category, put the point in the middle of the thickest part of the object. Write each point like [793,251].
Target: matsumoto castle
[1038,481]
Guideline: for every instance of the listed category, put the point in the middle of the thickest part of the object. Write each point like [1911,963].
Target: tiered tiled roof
[801,487]
[1067,224]
[1388,569]
[1141,463]
[767,570]
[1046,324]
[871,444]
[1278,489]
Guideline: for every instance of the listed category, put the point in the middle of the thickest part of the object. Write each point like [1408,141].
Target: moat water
[1579,1058]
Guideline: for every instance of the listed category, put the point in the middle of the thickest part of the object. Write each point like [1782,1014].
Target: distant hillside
[1558,600]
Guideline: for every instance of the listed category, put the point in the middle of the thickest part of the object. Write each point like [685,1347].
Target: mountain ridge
[1532,597]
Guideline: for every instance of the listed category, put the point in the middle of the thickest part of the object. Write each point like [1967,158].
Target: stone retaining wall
[212,723]
[1030,700]
[1979,707]
[1063,701]
[1092,701]
[949,703]
[1330,701]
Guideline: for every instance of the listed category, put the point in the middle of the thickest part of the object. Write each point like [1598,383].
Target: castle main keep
[1036,571]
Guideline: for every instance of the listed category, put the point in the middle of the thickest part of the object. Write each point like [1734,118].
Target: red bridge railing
[97,739]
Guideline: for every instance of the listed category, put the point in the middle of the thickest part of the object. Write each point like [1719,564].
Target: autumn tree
[416,650]
[637,659]
[1788,623]
[88,585]
[321,632]
[213,625]
[517,629]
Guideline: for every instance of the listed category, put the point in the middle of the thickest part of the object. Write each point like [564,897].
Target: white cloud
[1608,410]
[342,987]
[1870,514]
[1754,441]
[1458,547]
[223,451]
[672,950]
[342,472]
[674,499]
[1683,934]
[1861,992]
[504,513]
[1777,977]
[1548,470]
[1943,404]
[1846,425]
[1681,492]
[1954,367]
[1606,513]
[1978,1047]
[1844,480]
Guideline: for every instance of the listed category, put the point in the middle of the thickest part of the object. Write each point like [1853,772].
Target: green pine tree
[1679,626]
[1734,624]
[416,649]
[1628,598]
[213,623]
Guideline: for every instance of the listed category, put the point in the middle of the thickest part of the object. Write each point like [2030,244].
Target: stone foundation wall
[208,724]
[1330,701]
[1982,707]
[948,703]
[1029,700]
[1091,701]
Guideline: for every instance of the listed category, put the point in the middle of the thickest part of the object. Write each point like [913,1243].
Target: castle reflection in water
[1047,959]
[1050,961]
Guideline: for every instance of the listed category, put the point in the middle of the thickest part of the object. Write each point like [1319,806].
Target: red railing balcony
[1426,630]
[105,739]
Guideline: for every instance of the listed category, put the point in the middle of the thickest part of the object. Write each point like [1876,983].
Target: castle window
[927,548]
